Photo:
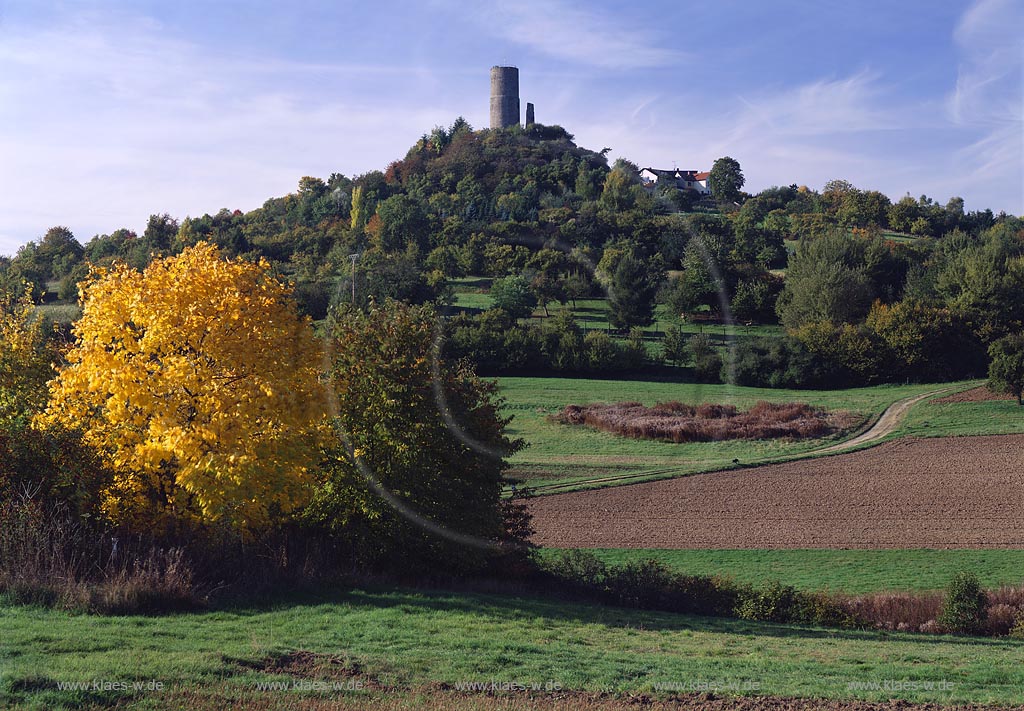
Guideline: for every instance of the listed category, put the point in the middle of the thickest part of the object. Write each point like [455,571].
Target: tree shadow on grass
[530,609]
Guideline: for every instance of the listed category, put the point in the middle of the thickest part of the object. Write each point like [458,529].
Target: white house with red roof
[682,179]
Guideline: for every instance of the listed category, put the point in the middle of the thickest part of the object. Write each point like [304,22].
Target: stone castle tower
[504,97]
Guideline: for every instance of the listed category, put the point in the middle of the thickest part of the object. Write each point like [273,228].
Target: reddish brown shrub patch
[678,422]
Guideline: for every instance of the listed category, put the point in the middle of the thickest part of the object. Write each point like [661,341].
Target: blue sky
[112,111]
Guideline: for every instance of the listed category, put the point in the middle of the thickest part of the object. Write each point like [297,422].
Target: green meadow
[405,644]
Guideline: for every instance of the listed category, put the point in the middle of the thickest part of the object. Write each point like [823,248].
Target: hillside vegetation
[873,290]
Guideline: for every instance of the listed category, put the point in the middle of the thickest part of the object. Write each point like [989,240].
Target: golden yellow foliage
[25,357]
[198,380]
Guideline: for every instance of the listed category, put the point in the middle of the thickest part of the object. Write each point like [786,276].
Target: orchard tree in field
[513,294]
[726,179]
[1006,371]
[576,285]
[546,268]
[198,382]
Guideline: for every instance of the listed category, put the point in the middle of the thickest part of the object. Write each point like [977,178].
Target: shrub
[708,368]
[673,347]
[26,355]
[707,364]
[964,608]
[634,352]
[1006,370]
[420,450]
[856,350]
[1001,619]
[647,584]
[927,344]
[785,363]
[603,353]
[579,568]
[784,603]
[700,345]
[651,585]
[826,610]
[55,466]
[494,342]
[775,603]
[704,595]
[1017,631]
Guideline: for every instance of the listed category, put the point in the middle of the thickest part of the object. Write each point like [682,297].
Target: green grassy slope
[407,639]
[848,571]
[947,419]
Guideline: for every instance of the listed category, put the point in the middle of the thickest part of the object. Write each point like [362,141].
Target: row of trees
[195,395]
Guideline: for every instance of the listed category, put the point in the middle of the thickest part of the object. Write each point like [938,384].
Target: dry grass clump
[679,422]
[1005,610]
[48,558]
[921,611]
[904,611]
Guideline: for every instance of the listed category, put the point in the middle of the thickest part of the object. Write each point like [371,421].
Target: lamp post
[354,257]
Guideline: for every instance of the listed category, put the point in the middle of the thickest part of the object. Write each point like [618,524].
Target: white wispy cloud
[825,106]
[104,124]
[989,96]
[581,34]
[809,133]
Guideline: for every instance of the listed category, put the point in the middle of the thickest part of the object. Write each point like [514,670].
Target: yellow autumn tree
[25,357]
[198,381]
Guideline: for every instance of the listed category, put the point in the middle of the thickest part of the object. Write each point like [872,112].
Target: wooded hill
[555,223]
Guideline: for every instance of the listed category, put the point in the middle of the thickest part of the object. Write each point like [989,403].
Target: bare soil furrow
[958,492]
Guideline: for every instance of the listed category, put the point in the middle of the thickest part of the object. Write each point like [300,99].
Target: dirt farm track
[957,492]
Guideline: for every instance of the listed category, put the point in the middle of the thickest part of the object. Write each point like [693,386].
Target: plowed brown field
[957,492]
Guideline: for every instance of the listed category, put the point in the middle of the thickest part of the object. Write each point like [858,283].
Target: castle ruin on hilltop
[505,98]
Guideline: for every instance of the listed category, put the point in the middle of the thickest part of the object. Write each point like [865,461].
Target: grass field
[931,419]
[846,571]
[60,313]
[564,454]
[471,300]
[403,642]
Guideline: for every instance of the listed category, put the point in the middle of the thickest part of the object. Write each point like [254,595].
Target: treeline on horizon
[873,290]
